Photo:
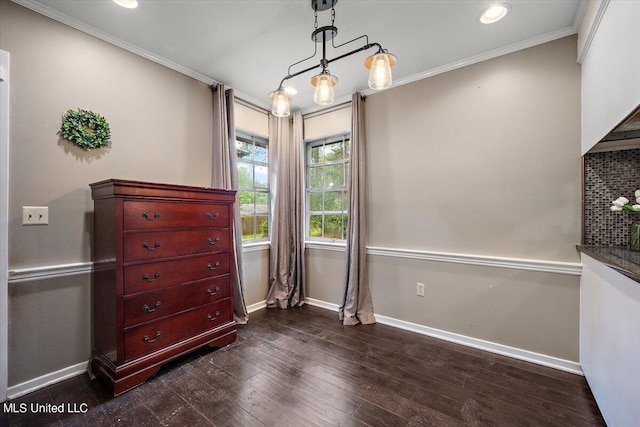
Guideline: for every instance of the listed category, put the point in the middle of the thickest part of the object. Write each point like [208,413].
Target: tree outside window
[253,186]
[327,171]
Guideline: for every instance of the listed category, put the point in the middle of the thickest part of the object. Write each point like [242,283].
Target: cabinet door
[611,72]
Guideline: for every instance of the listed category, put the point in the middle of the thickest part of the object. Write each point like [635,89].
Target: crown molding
[592,30]
[109,38]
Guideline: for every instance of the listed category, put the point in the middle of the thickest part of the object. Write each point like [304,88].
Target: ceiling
[248,45]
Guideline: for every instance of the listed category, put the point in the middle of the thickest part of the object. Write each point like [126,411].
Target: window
[253,186]
[327,171]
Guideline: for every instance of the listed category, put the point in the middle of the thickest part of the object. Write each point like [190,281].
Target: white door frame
[4,223]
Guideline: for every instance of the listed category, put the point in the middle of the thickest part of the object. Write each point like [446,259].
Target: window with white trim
[253,186]
[327,168]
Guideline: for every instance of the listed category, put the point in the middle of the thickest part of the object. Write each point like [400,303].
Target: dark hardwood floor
[301,367]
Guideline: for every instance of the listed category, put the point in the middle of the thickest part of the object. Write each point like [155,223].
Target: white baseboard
[46,380]
[504,350]
[257,306]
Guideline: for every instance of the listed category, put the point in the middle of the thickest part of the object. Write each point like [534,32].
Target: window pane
[245,174]
[262,226]
[262,202]
[317,155]
[347,143]
[315,202]
[333,151]
[261,153]
[247,227]
[245,149]
[334,175]
[316,177]
[345,201]
[246,202]
[333,226]
[315,226]
[262,173]
[333,201]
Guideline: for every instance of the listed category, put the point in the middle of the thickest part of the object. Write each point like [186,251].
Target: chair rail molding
[546,266]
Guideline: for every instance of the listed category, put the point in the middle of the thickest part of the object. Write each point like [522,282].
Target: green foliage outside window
[327,169]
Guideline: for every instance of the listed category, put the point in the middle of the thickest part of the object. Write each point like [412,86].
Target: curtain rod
[250,105]
[328,110]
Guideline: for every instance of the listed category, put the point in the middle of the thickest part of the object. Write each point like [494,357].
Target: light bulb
[280,106]
[324,83]
[380,74]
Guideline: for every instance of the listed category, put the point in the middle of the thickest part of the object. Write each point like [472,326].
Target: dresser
[162,282]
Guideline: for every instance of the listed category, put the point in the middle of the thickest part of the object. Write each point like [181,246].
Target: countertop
[619,258]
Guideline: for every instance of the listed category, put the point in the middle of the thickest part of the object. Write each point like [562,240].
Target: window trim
[255,139]
[308,145]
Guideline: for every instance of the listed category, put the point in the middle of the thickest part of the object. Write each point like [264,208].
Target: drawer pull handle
[147,247]
[148,279]
[213,318]
[216,265]
[214,241]
[146,338]
[151,310]
[216,215]
[148,218]
[215,291]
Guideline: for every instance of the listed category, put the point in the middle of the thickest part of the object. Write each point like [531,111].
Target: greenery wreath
[86,129]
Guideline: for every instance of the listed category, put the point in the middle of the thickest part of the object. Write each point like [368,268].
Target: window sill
[256,246]
[326,246]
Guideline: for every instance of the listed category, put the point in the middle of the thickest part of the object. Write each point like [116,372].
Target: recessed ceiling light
[129,4]
[290,90]
[494,13]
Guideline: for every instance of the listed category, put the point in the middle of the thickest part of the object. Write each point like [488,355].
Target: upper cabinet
[609,51]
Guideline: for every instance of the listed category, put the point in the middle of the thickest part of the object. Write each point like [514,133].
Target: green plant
[86,129]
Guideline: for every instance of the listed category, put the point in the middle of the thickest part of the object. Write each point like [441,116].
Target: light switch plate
[35,215]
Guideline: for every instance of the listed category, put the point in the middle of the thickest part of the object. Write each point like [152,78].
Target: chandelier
[379,64]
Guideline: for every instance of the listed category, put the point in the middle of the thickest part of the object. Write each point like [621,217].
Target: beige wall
[160,122]
[481,160]
[161,131]
[484,160]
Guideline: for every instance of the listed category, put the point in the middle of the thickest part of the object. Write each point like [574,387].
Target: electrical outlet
[420,289]
[35,215]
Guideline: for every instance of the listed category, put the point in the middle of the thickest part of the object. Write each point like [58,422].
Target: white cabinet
[610,341]
[611,71]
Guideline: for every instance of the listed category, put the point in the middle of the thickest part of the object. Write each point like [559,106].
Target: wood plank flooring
[301,367]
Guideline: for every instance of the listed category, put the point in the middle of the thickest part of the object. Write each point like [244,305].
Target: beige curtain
[357,306]
[286,258]
[225,175]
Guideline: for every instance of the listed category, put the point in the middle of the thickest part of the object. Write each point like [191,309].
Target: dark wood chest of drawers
[162,283]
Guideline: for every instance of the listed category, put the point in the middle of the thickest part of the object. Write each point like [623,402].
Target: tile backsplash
[607,176]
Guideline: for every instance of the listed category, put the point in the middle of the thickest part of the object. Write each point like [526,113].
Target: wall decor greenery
[86,129]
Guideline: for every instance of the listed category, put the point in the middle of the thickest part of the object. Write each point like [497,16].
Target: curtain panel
[224,175]
[357,305]
[286,257]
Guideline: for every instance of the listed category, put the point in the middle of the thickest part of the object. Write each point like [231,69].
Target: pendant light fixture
[379,64]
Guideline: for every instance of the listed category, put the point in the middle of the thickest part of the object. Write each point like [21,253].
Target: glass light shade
[280,106]
[324,83]
[380,74]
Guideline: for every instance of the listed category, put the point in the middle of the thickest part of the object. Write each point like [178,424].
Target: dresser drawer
[153,305]
[145,215]
[149,337]
[161,275]
[163,244]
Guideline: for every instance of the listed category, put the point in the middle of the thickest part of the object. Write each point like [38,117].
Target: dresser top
[111,188]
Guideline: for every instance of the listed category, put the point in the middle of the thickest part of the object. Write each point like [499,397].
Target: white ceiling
[248,45]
